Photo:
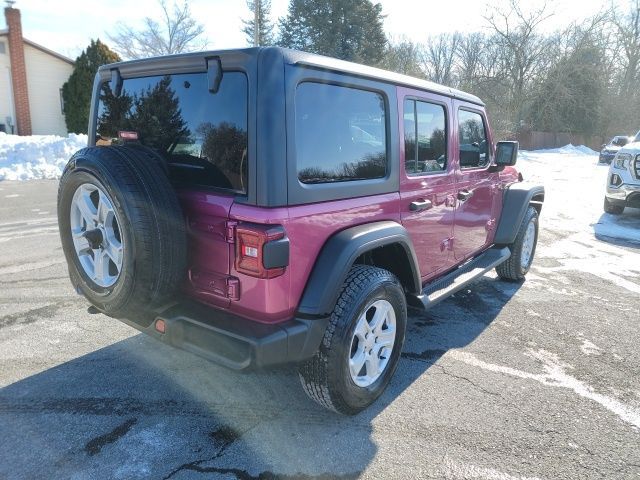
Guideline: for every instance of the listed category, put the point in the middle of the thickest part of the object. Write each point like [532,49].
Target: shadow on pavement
[139,409]
[622,230]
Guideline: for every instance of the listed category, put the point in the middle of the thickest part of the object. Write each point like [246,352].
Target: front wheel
[522,249]
[362,344]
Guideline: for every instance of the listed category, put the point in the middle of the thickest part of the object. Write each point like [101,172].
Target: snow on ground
[36,156]
[584,237]
[575,188]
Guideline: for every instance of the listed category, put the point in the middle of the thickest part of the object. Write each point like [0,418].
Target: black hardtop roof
[295,57]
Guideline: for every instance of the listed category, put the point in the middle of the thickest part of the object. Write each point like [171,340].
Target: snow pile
[36,156]
[569,150]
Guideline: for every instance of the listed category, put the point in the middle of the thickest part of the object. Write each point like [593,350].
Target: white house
[31,79]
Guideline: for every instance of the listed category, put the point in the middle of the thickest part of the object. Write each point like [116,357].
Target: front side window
[201,135]
[340,134]
[474,148]
[425,137]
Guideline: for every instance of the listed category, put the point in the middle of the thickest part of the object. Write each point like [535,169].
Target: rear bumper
[232,341]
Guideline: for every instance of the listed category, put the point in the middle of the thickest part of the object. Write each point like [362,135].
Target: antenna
[10,3]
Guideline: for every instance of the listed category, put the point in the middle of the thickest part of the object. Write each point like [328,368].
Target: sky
[66,26]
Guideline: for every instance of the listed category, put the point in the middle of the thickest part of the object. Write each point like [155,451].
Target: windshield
[619,141]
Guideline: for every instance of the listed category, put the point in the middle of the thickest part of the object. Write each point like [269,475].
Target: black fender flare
[517,198]
[338,255]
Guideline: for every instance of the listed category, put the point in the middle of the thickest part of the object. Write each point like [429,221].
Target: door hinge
[230,231]
[233,288]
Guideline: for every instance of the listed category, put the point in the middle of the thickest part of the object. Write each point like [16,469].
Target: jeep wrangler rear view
[265,206]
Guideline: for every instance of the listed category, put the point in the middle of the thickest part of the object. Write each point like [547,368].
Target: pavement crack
[94,445]
[223,438]
[465,379]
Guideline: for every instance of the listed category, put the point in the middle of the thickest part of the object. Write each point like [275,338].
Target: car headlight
[621,161]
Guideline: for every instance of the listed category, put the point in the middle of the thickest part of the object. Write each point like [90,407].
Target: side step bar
[459,278]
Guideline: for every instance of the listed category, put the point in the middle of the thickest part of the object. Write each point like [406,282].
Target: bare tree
[628,27]
[177,32]
[469,59]
[439,57]
[523,51]
[403,56]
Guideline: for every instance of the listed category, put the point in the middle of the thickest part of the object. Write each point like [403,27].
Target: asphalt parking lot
[503,381]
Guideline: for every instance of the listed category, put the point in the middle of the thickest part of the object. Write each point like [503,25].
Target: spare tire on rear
[122,230]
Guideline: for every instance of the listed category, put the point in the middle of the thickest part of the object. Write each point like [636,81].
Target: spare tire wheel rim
[372,343]
[528,244]
[96,234]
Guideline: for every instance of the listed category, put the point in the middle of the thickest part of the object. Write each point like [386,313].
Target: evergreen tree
[347,29]
[265,27]
[157,116]
[76,92]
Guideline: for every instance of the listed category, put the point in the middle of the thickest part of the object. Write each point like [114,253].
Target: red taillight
[160,325]
[250,242]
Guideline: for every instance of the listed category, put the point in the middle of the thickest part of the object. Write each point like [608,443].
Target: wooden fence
[530,140]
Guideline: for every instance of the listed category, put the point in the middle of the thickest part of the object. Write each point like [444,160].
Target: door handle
[464,195]
[420,205]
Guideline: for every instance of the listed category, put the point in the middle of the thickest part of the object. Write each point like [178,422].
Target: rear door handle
[420,205]
[464,195]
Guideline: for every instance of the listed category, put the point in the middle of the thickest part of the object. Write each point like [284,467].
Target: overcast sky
[67,26]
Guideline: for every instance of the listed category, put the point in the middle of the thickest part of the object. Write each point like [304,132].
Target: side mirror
[506,154]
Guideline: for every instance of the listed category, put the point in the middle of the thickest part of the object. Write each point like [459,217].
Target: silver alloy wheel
[372,343]
[95,231]
[527,245]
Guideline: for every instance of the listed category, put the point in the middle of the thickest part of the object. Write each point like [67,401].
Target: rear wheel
[612,208]
[522,249]
[361,347]
[122,230]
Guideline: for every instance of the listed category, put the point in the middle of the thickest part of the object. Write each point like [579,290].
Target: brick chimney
[18,71]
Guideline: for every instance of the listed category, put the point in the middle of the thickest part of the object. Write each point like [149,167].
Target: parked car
[264,206]
[623,180]
[610,149]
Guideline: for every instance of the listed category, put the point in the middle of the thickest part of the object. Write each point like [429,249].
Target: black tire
[151,155]
[150,223]
[512,269]
[612,208]
[326,377]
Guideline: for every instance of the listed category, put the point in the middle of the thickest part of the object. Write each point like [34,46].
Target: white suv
[623,181]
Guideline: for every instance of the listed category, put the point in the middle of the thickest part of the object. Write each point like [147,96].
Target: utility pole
[256,23]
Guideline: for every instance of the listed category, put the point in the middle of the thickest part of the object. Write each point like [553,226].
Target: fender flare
[338,255]
[517,198]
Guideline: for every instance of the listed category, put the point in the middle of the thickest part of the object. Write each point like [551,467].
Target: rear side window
[472,133]
[202,136]
[425,137]
[340,134]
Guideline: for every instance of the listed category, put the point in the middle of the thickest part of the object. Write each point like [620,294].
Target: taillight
[261,250]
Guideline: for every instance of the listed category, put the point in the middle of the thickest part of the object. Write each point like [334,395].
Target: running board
[459,278]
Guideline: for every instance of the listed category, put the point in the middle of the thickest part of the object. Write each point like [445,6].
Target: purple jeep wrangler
[264,206]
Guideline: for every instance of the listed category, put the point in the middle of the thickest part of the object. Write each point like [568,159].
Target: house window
[2,48]
[61,102]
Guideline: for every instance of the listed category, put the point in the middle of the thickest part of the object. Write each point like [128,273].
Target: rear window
[202,136]
[340,134]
